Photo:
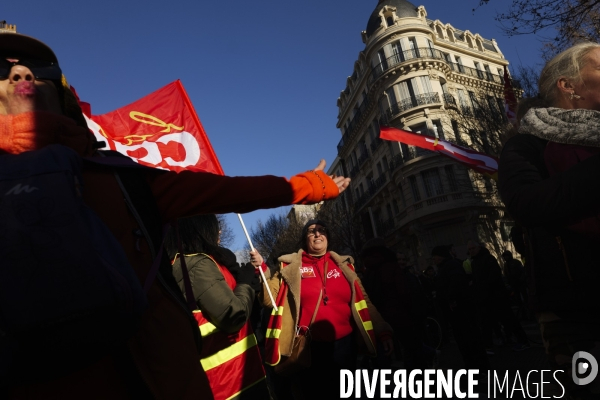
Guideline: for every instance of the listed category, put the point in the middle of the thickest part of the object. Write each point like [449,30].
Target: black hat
[12,43]
[442,251]
[305,230]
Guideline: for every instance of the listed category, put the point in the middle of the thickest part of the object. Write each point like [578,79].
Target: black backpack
[67,292]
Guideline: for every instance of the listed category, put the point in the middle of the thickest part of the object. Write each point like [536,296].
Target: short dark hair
[198,234]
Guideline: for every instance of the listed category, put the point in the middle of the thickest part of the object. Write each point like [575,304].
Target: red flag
[479,162]
[510,101]
[160,130]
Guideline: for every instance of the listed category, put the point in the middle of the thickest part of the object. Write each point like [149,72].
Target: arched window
[450,35]
[479,45]
[439,31]
[469,41]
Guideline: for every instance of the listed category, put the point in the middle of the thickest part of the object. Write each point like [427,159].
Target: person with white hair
[549,180]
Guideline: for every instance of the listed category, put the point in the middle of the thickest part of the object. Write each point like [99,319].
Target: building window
[370,181]
[462,99]
[433,182]
[414,188]
[437,127]
[474,102]
[450,35]
[479,45]
[389,20]
[451,178]
[440,34]
[412,44]
[479,71]
[488,72]
[459,64]
[469,42]
[457,132]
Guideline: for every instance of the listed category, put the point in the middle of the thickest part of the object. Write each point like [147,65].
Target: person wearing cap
[345,318]
[161,360]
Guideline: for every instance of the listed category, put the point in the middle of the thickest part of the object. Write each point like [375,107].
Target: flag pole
[262,274]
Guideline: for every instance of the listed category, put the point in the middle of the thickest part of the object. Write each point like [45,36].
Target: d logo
[582,364]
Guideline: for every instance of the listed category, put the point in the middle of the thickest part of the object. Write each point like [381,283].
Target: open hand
[341,182]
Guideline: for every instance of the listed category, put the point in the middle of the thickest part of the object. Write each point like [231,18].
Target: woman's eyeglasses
[313,231]
[40,69]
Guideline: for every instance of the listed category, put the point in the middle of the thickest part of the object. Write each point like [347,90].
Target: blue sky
[264,76]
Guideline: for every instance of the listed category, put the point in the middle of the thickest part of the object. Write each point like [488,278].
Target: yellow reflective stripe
[368,325]
[247,387]
[273,333]
[361,305]
[278,312]
[207,329]
[221,357]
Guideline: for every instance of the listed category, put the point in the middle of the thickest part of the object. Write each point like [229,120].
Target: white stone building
[429,77]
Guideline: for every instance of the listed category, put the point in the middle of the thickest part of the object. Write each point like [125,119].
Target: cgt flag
[479,162]
[160,130]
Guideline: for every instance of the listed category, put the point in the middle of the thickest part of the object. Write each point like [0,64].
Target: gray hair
[567,64]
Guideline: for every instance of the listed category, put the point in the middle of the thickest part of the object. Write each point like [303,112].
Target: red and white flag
[510,101]
[479,162]
[160,130]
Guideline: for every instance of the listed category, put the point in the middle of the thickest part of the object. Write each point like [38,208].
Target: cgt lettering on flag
[161,130]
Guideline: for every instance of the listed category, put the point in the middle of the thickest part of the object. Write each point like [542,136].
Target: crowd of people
[190,304]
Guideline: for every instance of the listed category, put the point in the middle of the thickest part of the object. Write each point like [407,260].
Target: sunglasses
[40,69]
[313,231]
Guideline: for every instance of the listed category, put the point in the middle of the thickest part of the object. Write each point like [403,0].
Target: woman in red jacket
[318,293]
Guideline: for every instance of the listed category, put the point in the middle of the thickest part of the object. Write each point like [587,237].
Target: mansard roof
[404,9]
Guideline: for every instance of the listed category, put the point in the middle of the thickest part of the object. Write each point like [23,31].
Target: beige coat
[291,275]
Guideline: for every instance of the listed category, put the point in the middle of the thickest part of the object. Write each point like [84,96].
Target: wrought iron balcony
[371,191]
[407,104]
[403,56]
[477,73]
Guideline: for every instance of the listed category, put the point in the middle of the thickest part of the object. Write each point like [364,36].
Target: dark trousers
[322,379]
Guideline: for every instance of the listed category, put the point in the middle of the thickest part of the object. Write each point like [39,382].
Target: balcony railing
[407,104]
[392,61]
[477,73]
[371,191]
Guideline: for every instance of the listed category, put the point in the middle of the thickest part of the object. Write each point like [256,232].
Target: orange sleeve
[313,187]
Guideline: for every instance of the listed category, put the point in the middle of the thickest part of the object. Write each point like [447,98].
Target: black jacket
[487,277]
[564,264]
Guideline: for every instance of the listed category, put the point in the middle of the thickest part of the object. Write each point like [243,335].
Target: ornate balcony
[401,57]
[406,104]
[488,76]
